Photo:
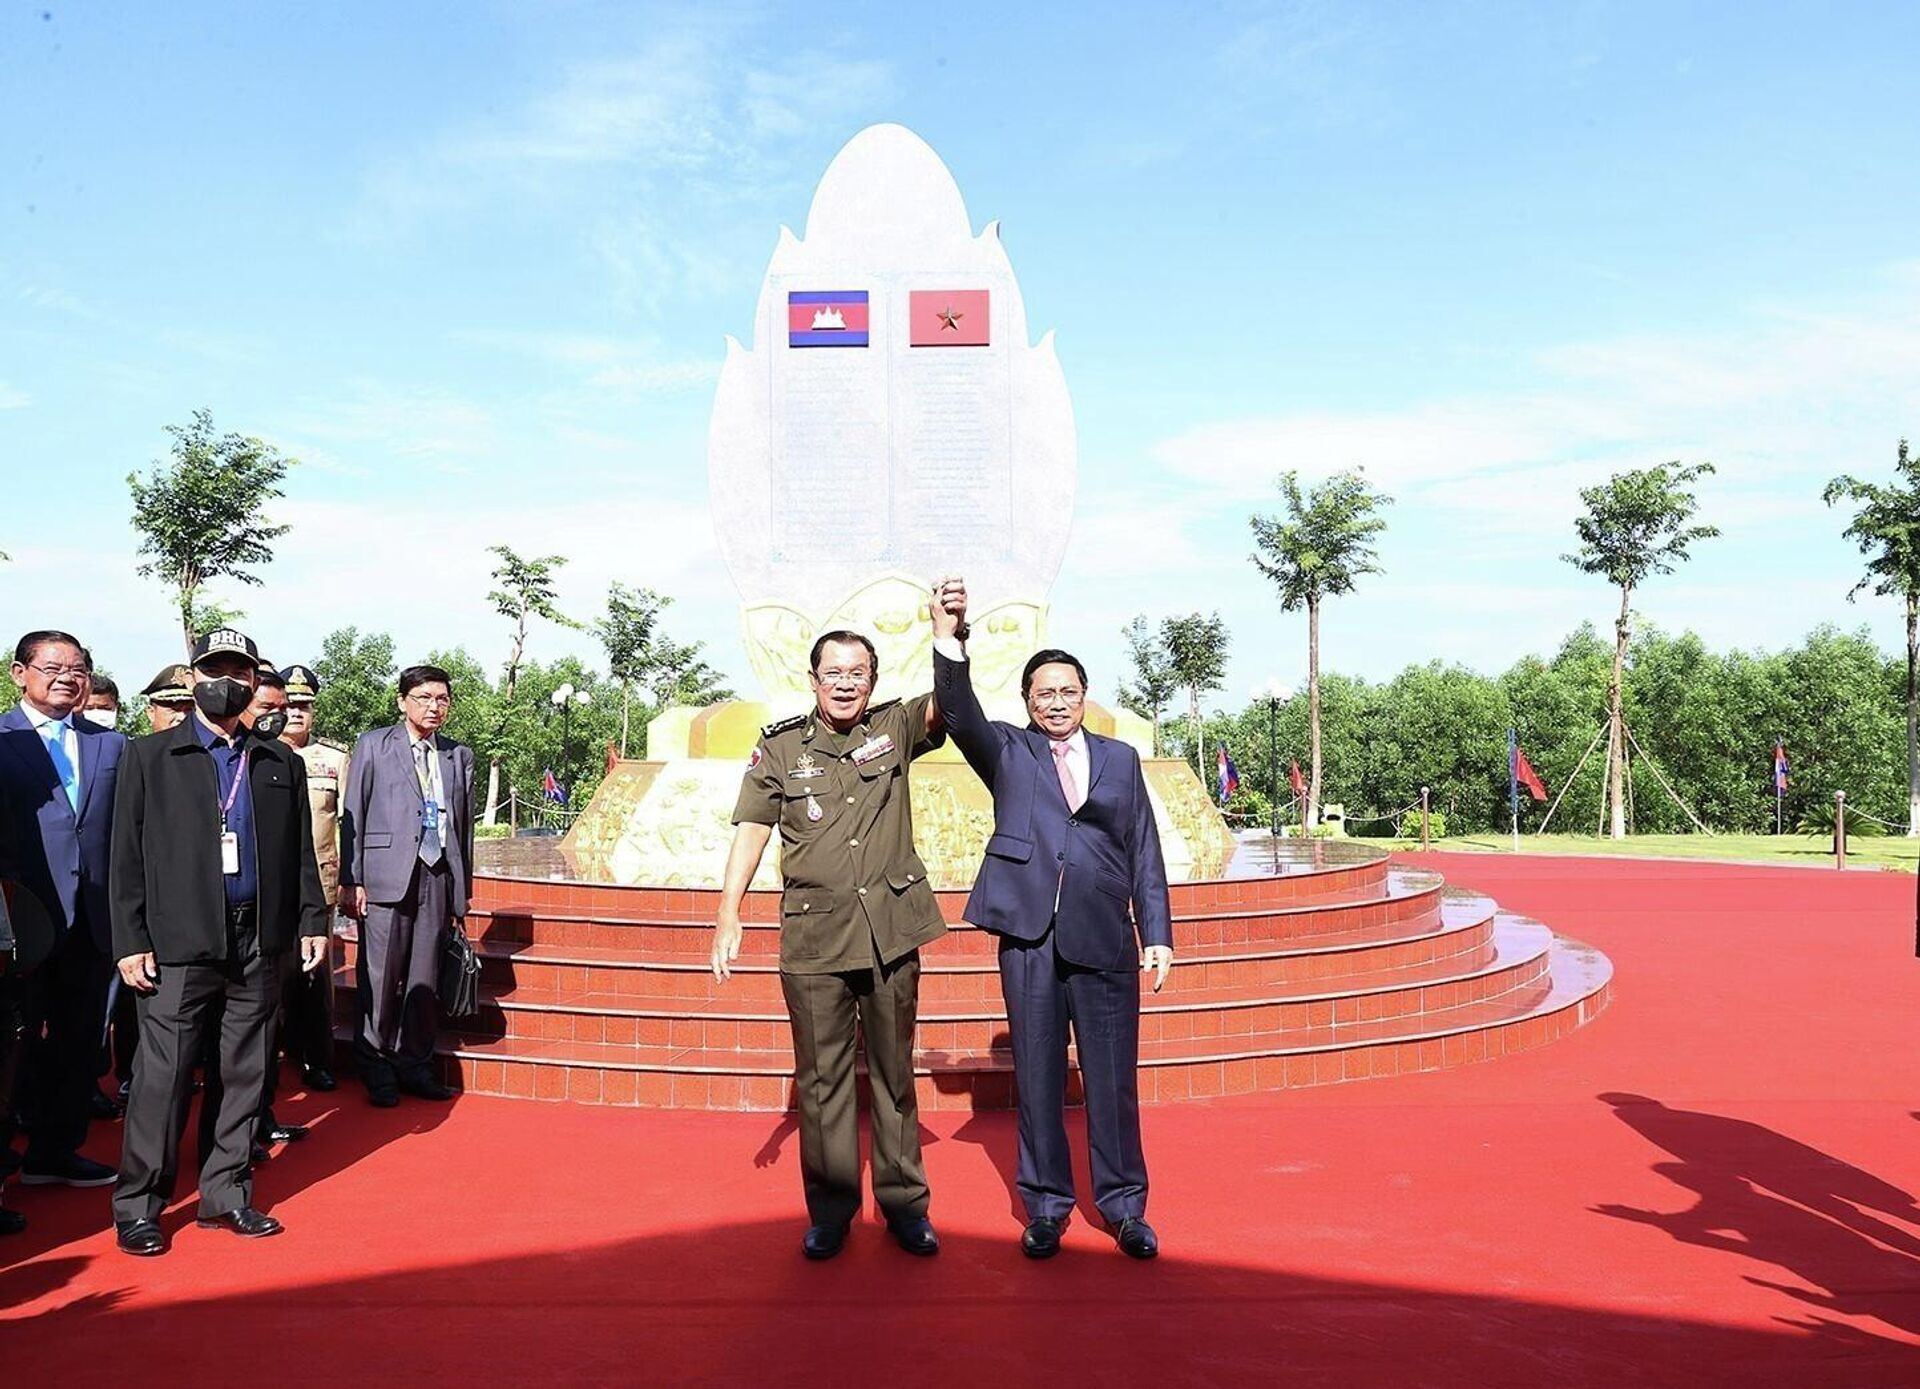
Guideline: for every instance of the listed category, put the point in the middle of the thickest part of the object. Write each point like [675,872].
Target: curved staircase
[1312,963]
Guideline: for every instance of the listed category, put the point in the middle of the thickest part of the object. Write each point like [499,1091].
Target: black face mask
[223,698]
[271,724]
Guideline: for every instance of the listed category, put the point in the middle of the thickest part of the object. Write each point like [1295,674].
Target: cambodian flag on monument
[1229,774]
[948,317]
[827,318]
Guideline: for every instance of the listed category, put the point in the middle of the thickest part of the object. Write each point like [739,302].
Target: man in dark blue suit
[1074,846]
[57,776]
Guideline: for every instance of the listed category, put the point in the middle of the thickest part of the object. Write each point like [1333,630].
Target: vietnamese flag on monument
[1295,780]
[1524,773]
[948,317]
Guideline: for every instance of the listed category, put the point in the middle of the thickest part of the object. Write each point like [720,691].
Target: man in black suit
[1075,886]
[214,885]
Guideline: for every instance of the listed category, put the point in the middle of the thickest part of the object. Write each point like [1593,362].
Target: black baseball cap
[225,641]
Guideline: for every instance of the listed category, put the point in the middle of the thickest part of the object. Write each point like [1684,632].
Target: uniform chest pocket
[887,764]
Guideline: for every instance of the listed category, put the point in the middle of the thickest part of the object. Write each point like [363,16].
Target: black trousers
[825,1009]
[303,1029]
[1045,994]
[233,1001]
[13,1038]
[66,1008]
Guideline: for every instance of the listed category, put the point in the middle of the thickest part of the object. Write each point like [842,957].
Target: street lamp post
[564,698]
[1275,694]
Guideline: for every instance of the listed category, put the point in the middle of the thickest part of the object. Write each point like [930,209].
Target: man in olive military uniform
[307,1009]
[855,910]
[169,698]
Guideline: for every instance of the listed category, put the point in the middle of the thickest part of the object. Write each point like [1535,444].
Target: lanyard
[233,791]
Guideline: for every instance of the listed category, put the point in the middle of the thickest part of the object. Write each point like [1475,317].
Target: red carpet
[1708,1186]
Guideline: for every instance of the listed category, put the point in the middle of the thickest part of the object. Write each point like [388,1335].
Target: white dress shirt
[44,723]
[438,790]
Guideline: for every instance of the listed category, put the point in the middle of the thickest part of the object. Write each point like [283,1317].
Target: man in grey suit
[406,873]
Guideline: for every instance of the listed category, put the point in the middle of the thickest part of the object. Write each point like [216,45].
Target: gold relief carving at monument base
[891,611]
[668,824]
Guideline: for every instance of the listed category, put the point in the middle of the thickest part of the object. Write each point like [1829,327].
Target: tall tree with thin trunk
[1196,650]
[1886,527]
[524,590]
[1153,681]
[627,635]
[1637,524]
[202,517]
[1318,548]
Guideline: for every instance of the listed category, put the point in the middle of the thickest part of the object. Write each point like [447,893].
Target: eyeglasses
[1071,698]
[430,701]
[854,679]
[55,672]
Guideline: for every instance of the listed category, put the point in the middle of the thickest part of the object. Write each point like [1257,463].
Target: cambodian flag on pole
[551,788]
[1779,767]
[1229,775]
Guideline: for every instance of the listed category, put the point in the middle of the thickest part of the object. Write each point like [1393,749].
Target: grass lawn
[1892,851]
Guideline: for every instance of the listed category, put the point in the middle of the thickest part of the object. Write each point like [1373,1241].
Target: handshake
[948,608]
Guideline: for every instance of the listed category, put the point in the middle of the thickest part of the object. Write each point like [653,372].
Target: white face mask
[106,718]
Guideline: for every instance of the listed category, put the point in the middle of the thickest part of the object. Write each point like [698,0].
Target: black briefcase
[459,974]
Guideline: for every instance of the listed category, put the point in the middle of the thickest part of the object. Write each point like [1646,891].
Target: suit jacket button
[1072,821]
[863,892]
[1060,858]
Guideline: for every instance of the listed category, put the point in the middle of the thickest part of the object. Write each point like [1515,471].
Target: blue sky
[473,265]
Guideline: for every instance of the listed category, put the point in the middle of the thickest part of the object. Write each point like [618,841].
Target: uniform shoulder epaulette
[782,725]
[330,745]
[882,706]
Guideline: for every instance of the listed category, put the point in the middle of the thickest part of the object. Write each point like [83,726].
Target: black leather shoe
[1136,1238]
[1041,1239]
[320,1078]
[141,1238]
[71,1170]
[823,1241]
[425,1087]
[915,1233]
[244,1221]
[259,1153]
[11,1222]
[383,1096]
[285,1133]
[100,1105]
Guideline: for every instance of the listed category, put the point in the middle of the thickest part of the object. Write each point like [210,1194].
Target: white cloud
[13,398]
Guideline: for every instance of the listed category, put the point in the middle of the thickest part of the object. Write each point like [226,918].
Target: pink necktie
[1067,788]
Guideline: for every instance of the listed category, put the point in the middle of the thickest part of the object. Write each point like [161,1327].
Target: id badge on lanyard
[229,841]
[430,814]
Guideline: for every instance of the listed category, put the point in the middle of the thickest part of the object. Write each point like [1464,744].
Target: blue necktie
[55,732]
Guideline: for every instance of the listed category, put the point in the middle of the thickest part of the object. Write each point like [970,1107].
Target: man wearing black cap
[169,697]
[213,886]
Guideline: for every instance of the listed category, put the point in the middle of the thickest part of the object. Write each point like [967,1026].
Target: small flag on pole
[1780,767]
[1295,780]
[551,788]
[1524,773]
[1229,774]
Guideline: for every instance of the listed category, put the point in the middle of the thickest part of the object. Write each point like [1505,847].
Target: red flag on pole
[1529,778]
[1295,780]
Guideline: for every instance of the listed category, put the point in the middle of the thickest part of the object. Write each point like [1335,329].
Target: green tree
[1886,527]
[1196,650]
[1318,548]
[1153,682]
[681,676]
[523,590]
[626,633]
[1637,524]
[357,688]
[201,516]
